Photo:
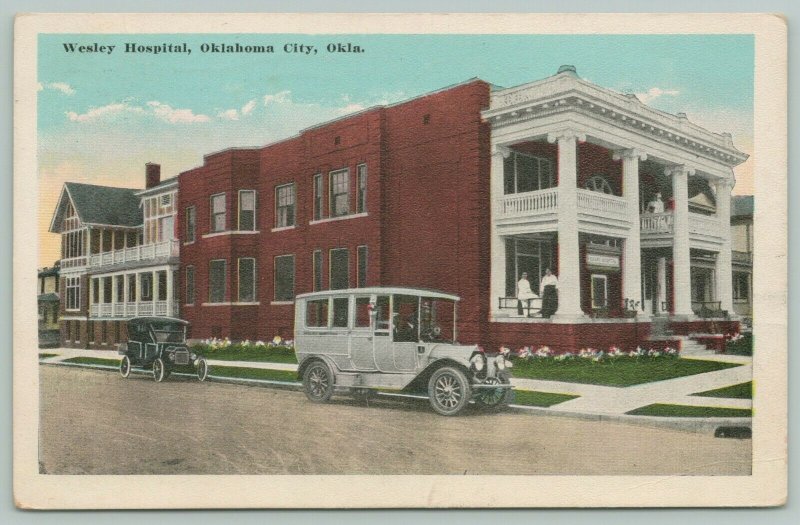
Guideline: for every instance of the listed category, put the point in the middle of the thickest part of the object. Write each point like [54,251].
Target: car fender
[301,367]
[459,354]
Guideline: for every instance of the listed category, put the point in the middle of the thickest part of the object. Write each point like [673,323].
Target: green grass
[743,346]
[278,354]
[621,371]
[740,391]
[539,399]
[92,361]
[663,410]
[45,356]
[253,373]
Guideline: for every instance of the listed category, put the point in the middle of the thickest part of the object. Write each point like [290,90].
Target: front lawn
[253,373]
[240,352]
[45,356]
[539,399]
[92,361]
[663,410]
[740,391]
[620,371]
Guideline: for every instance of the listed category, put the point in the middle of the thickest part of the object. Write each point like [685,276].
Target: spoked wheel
[493,397]
[449,391]
[125,366]
[362,395]
[318,382]
[202,369]
[159,370]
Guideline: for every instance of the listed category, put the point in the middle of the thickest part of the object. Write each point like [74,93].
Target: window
[317,196]
[146,286]
[191,219]
[317,270]
[120,286]
[166,199]
[247,210]
[339,269]
[90,332]
[247,280]
[599,291]
[284,278]
[73,293]
[317,313]
[162,285]
[190,285]
[522,172]
[217,281]
[362,267]
[132,288]
[741,286]
[95,287]
[218,213]
[340,193]
[361,202]
[341,306]
[363,310]
[284,206]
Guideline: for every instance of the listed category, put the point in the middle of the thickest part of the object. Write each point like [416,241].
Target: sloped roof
[742,206]
[49,297]
[100,205]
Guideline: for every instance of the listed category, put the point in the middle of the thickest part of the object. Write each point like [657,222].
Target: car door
[405,313]
[361,337]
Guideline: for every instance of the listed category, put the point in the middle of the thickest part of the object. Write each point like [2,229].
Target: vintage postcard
[400,260]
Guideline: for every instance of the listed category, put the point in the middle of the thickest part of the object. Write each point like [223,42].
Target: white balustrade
[704,225]
[132,309]
[161,308]
[136,253]
[529,203]
[602,204]
[74,262]
[94,310]
[656,223]
[106,310]
[145,308]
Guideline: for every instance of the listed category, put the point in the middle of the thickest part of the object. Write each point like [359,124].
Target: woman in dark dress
[549,291]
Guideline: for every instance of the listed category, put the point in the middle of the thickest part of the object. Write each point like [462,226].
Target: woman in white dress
[524,294]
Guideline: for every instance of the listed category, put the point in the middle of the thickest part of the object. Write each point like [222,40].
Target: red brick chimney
[152,175]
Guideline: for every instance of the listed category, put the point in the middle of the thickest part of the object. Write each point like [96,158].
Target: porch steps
[660,327]
[692,348]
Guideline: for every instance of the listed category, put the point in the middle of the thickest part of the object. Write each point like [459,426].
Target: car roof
[146,320]
[434,294]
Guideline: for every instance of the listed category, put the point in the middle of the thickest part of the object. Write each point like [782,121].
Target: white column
[661,279]
[154,289]
[632,263]
[724,270]
[569,263]
[497,247]
[170,293]
[681,279]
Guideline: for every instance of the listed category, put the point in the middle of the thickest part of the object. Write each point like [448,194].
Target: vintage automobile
[365,339]
[158,344]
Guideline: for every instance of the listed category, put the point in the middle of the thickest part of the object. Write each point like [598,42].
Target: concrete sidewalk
[594,399]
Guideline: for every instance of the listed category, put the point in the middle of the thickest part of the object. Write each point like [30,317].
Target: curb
[685,424]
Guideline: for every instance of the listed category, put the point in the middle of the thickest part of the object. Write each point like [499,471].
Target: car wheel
[493,397]
[125,366]
[202,369]
[449,391]
[159,370]
[362,395]
[318,382]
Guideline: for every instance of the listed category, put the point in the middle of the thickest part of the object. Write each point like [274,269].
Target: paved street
[95,422]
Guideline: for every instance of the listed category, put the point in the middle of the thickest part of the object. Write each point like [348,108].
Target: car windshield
[168,332]
[423,319]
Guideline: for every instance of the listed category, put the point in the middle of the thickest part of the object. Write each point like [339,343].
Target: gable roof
[742,206]
[99,205]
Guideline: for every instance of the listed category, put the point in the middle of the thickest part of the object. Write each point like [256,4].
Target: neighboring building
[48,301]
[742,246]
[459,190]
[119,256]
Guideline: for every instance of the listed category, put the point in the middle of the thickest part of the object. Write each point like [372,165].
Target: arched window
[599,184]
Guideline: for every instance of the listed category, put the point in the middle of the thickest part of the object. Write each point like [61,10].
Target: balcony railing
[704,225]
[132,309]
[74,262]
[742,257]
[143,252]
[602,204]
[529,203]
[656,223]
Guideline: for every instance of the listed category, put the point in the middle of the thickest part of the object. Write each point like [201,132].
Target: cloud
[247,108]
[169,114]
[63,87]
[656,92]
[106,111]
[228,114]
[277,98]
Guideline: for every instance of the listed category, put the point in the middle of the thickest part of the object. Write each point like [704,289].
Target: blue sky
[101,117]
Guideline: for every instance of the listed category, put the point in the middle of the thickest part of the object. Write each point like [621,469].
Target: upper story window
[523,172]
[247,210]
[218,212]
[317,196]
[73,240]
[159,218]
[166,200]
[361,199]
[340,192]
[191,223]
[73,292]
[285,206]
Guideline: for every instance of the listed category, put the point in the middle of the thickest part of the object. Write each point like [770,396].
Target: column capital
[680,169]
[498,149]
[565,134]
[723,184]
[630,154]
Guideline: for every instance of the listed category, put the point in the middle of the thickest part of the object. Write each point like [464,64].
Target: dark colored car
[159,344]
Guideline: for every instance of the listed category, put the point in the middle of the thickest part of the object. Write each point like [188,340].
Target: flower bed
[276,351]
[739,344]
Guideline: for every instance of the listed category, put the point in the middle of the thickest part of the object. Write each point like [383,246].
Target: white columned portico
[569,263]
[681,279]
[170,293]
[724,270]
[497,254]
[632,267]
[661,283]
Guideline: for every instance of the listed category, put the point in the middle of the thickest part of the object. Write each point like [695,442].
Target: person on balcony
[549,291]
[524,294]
[656,205]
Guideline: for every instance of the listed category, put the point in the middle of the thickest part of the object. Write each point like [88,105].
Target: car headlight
[193,356]
[500,363]
[477,362]
[171,357]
